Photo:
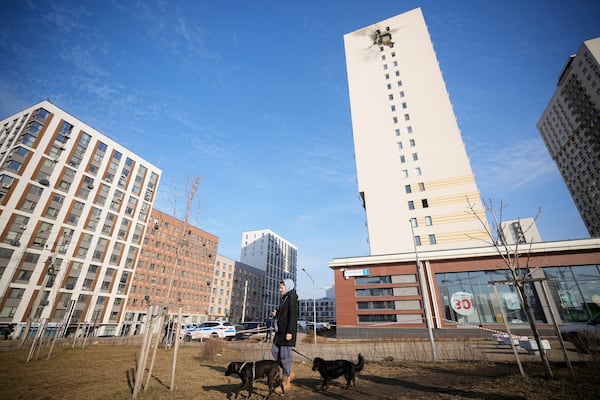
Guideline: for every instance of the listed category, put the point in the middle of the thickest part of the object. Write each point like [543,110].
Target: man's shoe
[287,387]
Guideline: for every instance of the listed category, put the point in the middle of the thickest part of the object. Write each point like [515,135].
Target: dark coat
[287,319]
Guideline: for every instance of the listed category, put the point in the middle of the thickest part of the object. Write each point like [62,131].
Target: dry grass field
[106,370]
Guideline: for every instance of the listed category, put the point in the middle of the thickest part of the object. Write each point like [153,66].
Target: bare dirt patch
[103,371]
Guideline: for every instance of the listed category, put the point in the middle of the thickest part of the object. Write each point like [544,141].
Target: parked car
[211,329]
[585,336]
[254,330]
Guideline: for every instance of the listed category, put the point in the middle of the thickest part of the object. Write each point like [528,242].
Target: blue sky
[252,97]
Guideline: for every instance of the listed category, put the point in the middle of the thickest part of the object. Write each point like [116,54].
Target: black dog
[333,369]
[252,370]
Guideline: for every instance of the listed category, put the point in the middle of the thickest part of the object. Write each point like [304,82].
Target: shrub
[211,348]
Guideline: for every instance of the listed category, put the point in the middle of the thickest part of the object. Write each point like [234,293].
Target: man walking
[269,324]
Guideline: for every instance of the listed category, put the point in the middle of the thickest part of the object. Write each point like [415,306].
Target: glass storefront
[469,297]
[575,291]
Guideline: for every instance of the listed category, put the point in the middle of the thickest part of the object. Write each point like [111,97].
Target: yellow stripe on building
[444,183]
[463,216]
[472,197]
[462,236]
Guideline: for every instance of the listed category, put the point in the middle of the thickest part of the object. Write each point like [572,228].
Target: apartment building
[176,271]
[518,231]
[277,257]
[247,293]
[221,290]
[324,308]
[414,175]
[74,207]
[570,128]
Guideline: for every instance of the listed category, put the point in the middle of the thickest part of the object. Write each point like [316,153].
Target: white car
[585,335]
[211,330]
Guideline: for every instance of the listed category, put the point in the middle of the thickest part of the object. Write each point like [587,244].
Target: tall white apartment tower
[412,166]
[570,128]
[267,251]
[74,207]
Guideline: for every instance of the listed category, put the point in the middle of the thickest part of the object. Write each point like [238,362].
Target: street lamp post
[314,306]
[424,295]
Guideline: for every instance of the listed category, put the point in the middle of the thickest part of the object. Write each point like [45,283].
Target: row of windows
[424,204]
[428,221]
[431,238]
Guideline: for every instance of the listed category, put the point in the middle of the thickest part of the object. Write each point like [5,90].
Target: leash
[297,352]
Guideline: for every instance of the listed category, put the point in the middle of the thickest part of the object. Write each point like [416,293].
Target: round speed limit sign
[462,303]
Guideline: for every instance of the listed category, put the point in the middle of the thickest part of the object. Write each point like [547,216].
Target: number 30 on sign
[462,303]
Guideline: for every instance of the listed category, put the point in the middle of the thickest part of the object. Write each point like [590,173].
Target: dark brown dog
[332,369]
[250,371]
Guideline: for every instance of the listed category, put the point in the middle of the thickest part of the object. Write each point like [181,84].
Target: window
[376,305]
[405,173]
[432,239]
[411,205]
[373,280]
[413,222]
[385,66]
[406,117]
[374,292]
[415,156]
[399,145]
[407,189]
[409,129]
[73,219]
[16,293]
[28,205]
[421,186]
[389,86]
[404,105]
[387,76]
[424,203]
[390,97]
[64,185]
[28,139]
[395,119]
[412,142]
[418,171]
[51,212]
[14,165]
[399,83]
[8,312]
[428,221]
[402,159]
[418,240]
[401,93]
[393,108]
